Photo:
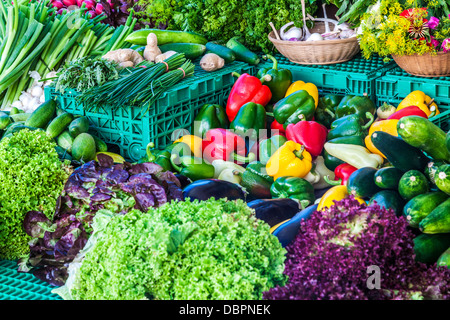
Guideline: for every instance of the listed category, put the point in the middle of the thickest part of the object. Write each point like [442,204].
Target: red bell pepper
[310,134]
[246,89]
[408,111]
[341,173]
[277,126]
[222,144]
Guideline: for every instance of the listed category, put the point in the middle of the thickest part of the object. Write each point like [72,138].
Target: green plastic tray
[22,286]
[442,120]
[356,76]
[131,130]
[396,84]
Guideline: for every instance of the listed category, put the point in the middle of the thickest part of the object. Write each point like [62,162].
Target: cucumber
[412,184]
[191,50]
[429,247]
[63,154]
[100,145]
[59,124]
[225,53]
[83,147]
[419,207]
[430,170]
[42,115]
[448,141]
[425,135]
[442,178]
[444,259]
[5,120]
[409,158]
[388,178]
[18,128]
[59,111]
[242,52]
[438,221]
[65,141]
[139,37]
[14,110]
[389,199]
[78,125]
[361,183]
[20,117]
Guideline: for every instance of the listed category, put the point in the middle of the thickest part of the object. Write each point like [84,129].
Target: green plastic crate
[22,286]
[442,120]
[131,130]
[356,76]
[396,84]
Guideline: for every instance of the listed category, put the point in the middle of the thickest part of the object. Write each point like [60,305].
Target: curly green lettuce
[184,250]
[31,178]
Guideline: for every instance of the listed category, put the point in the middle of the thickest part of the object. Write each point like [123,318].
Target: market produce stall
[187,165]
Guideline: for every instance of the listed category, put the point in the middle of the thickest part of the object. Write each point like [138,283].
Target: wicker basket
[426,65]
[317,52]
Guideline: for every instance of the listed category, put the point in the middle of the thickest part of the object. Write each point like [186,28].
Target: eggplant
[213,188]
[287,232]
[185,181]
[274,211]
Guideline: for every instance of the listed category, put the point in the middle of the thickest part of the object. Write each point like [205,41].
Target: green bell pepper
[256,181]
[359,105]
[296,107]
[294,188]
[268,147]
[280,81]
[192,167]
[326,109]
[250,119]
[162,157]
[350,125]
[210,116]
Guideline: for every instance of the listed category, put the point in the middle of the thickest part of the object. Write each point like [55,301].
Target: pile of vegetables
[185,250]
[92,188]
[32,177]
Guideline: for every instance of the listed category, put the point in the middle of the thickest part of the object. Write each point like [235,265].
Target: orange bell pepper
[388,126]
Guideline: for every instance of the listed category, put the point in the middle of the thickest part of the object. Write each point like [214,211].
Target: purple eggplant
[213,188]
[274,211]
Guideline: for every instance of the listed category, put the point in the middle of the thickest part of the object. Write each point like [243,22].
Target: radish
[91,14]
[98,8]
[79,3]
[89,4]
[59,5]
[69,3]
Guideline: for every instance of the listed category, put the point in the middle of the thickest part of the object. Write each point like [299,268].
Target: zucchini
[444,259]
[59,124]
[429,247]
[83,148]
[65,141]
[20,117]
[100,145]
[388,178]
[412,184]
[438,221]
[139,37]
[42,115]
[242,52]
[389,199]
[419,207]
[430,170]
[225,53]
[361,183]
[191,50]
[442,178]
[425,135]
[78,125]
[5,120]
[409,158]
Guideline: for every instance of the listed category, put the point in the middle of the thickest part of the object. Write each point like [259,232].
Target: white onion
[25,98]
[37,91]
[18,104]
[42,98]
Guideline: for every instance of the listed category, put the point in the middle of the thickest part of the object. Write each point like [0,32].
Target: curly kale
[32,177]
[333,256]
[209,250]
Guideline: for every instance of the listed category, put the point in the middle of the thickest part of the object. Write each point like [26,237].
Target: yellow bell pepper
[275,227]
[388,126]
[421,100]
[301,85]
[117,158]
[336,193]
[291,160]
[194,143]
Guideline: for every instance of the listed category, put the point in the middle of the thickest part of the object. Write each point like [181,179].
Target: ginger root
[124,57]
[151,49]
[211,62]
[164,56]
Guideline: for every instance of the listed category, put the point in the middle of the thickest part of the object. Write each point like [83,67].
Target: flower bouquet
[417,41]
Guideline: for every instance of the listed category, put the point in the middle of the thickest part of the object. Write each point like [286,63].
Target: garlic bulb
[294,32]
[315,37]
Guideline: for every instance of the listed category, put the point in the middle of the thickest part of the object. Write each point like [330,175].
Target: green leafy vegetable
[215,249]
[32,178]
